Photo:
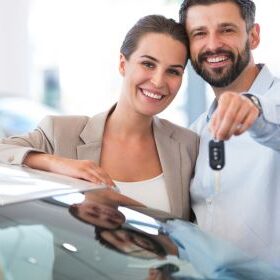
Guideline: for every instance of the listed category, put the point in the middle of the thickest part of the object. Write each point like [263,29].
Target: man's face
[219,43]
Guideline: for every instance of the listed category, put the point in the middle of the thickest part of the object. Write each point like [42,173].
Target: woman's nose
[157,79]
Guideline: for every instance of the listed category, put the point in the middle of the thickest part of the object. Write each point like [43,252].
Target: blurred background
[61,57]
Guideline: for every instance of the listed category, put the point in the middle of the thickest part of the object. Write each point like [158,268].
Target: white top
[151,192]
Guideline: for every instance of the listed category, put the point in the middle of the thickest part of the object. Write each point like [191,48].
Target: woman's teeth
[152,95]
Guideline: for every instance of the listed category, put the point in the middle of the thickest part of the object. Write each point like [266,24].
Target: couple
[152,160]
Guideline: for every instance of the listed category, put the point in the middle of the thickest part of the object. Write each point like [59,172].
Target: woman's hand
[112,198]
[81,169]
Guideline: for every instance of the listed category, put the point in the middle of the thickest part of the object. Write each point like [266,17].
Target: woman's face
[98,214]
[153,73]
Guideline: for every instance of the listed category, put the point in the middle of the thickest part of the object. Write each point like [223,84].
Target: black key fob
[216,154]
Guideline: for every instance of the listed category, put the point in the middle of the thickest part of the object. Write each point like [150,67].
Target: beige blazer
[80,137]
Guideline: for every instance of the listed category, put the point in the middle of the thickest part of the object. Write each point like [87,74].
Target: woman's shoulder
[69,122]
[186,138]
[177,131]
[72,125]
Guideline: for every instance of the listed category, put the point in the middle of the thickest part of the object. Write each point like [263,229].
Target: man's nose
[214,42]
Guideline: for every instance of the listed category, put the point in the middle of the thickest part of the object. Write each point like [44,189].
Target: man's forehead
[216,13]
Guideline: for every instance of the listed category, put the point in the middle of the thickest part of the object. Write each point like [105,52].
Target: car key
[216,154]
[217,160]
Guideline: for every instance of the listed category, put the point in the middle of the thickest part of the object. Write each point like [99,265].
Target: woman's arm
[81,169]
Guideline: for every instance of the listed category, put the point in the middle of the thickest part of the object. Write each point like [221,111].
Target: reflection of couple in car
[111,231]
[101,210]
[176,243]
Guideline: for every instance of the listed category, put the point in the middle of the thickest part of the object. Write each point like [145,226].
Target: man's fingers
[248,122]
[224,116]
[233,116]
[239,123]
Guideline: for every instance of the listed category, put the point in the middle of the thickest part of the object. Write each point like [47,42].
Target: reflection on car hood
[97,238]
[19,184]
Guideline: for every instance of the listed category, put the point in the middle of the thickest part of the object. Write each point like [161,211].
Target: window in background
[79,41]
[68,55]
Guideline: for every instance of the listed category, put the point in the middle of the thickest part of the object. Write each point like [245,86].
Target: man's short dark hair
[247,9]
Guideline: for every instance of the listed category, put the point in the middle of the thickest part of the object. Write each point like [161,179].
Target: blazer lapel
[92,136]
[90,151]
[169,155]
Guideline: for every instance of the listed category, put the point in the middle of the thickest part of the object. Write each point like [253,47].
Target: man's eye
[228,30]
[198,34]
[148,64]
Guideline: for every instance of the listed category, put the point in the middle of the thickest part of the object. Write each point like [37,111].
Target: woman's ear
[254,35]
[122,64]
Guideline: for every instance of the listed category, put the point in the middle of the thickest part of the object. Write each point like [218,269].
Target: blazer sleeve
[14,149]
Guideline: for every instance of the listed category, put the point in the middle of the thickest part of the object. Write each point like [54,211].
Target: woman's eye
[148,64]
[174,72]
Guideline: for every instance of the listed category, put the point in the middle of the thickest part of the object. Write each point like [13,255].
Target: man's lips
[216,59]
[217,62]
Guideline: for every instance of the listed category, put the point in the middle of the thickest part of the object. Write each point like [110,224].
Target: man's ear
[254,36]
[122,64]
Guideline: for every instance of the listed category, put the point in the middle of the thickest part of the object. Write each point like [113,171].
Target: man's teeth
[152,95]
[216,59]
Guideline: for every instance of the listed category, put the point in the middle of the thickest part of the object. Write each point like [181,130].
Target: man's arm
[266,129]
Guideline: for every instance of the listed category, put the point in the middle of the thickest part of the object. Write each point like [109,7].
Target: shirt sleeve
[266,129]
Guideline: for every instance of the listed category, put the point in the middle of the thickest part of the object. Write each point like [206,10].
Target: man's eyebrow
[156,60]
[221,25]
[228,24]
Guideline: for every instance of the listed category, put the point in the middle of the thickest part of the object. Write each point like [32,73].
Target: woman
[150,159]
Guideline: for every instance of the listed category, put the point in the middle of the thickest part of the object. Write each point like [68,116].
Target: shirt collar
[263,81]
[211,110]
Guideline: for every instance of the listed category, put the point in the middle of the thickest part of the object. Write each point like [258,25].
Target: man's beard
[222,78]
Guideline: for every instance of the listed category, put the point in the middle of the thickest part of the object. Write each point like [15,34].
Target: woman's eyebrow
[150,57]
[156,60]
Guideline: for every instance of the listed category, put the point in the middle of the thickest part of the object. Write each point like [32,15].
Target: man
[246,113]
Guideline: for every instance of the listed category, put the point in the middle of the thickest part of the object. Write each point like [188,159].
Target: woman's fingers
[81,169]
[92,172]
